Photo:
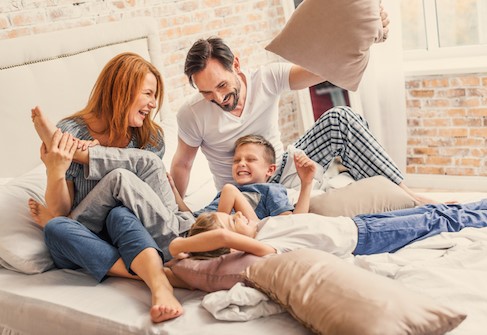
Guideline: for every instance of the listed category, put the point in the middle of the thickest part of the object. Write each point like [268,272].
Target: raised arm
[231,198]
[219,238]
[181,165]
[300,78]
[306,169]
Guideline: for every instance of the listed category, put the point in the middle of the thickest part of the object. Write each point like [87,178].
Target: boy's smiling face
[250,165]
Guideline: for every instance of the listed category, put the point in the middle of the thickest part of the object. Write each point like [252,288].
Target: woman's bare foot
[45,129]
[165,306]
[39,213]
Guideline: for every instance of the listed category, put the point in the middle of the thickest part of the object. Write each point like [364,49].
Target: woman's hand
[58,157]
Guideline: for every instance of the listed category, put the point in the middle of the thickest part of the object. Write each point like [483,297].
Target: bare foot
[45,129]
[165,306]
[421,200]
[39,213]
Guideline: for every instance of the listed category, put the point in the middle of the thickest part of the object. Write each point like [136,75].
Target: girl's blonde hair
[205,222]
[114,93]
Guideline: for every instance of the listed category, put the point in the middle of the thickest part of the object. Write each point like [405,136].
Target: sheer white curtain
[381,94]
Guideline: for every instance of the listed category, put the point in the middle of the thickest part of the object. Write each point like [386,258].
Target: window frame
[443,60]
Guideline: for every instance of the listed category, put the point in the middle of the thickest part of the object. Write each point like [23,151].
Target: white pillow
[22,246]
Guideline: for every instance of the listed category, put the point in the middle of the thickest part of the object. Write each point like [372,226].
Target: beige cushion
[331,296]
[215,274]
[369,195]
[331,38]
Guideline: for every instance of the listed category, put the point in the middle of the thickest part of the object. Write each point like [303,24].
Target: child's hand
[83,145]
[305,168]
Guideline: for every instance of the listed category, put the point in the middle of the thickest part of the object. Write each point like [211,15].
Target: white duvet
[450,267]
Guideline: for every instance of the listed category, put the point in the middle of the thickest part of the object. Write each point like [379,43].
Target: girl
[216,233]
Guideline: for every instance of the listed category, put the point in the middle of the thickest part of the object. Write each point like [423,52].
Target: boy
[254,162]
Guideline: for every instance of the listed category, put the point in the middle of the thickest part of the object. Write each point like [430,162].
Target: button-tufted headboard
[57,71]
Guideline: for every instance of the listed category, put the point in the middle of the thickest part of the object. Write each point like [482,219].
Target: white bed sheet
[71,302]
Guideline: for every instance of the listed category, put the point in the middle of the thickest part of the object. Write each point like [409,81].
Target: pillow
[331,296]
[331,38]
[365,196]
[219,273]
[22,245]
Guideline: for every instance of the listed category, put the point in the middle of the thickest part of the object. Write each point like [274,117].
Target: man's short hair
[269,151]
[202,51]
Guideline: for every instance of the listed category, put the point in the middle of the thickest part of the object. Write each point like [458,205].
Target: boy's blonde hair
[205,222]
[269,151]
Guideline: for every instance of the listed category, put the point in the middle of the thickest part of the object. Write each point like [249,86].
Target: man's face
[218,85]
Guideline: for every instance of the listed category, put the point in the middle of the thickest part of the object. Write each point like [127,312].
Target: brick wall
[447,125]
[246,25]
[447,116]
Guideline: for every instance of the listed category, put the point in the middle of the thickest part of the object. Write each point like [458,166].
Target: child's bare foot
[165,306]
[39,213]
[45,129]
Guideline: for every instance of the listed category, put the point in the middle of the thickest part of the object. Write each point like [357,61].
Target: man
[232,103]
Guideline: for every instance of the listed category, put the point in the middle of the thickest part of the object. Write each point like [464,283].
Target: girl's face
[238,223]
[145,101]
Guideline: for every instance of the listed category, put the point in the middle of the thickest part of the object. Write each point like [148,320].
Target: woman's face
[145,101]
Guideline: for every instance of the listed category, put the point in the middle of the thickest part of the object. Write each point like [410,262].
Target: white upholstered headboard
[57,71]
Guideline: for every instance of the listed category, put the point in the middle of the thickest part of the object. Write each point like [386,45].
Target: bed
[56,71]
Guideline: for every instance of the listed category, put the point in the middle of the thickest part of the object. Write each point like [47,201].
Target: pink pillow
[331,38]
[219,273]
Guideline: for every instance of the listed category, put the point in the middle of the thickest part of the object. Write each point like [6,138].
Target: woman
[118,114]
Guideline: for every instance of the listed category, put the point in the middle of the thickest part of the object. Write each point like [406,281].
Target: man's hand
[385,22]
[58,157]
[305,167]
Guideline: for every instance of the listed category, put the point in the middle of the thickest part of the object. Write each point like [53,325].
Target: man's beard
[236,96]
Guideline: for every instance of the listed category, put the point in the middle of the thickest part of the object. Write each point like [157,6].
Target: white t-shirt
[203,124]
[336,235]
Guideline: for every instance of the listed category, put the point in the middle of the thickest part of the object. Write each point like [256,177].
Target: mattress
[71,302]
[451,268]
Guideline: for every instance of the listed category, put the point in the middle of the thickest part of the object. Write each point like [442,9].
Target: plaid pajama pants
[341,132]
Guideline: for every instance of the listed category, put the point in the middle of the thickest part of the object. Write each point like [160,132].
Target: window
[445,29]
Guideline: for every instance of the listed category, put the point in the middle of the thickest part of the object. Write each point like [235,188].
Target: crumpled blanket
[332,177]
[240,303]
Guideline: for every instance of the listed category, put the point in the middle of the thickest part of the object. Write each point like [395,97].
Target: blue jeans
[390,231]
[74,246]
